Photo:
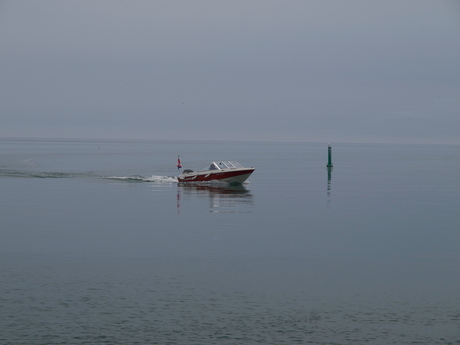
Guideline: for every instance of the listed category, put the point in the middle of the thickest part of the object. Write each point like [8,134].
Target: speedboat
[224,171]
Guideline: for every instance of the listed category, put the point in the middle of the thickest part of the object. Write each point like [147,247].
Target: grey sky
[323,70]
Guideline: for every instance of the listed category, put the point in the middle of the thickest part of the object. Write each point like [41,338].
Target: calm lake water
[100,245]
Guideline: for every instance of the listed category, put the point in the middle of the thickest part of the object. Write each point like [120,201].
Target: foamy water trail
[44,174]
[153,178]
[54,175]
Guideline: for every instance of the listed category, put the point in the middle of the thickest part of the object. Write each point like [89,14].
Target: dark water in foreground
[100,245]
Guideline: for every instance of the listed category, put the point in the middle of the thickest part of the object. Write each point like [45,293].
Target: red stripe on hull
[238,176]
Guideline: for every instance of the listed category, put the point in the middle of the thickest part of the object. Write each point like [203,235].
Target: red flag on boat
[178,163]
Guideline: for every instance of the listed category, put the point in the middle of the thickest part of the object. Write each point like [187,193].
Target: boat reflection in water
[223,198]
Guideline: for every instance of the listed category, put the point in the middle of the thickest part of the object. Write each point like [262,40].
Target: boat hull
[228,176]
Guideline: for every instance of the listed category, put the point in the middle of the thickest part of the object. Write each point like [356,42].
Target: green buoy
[329,156]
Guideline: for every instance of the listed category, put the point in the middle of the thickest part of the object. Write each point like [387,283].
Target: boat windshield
[224,165]
[229,165]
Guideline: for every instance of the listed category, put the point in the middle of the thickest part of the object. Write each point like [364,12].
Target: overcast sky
[286,70]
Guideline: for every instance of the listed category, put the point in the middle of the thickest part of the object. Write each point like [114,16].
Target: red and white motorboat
[223,171]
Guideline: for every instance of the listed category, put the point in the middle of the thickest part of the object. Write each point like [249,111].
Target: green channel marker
[329,156]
